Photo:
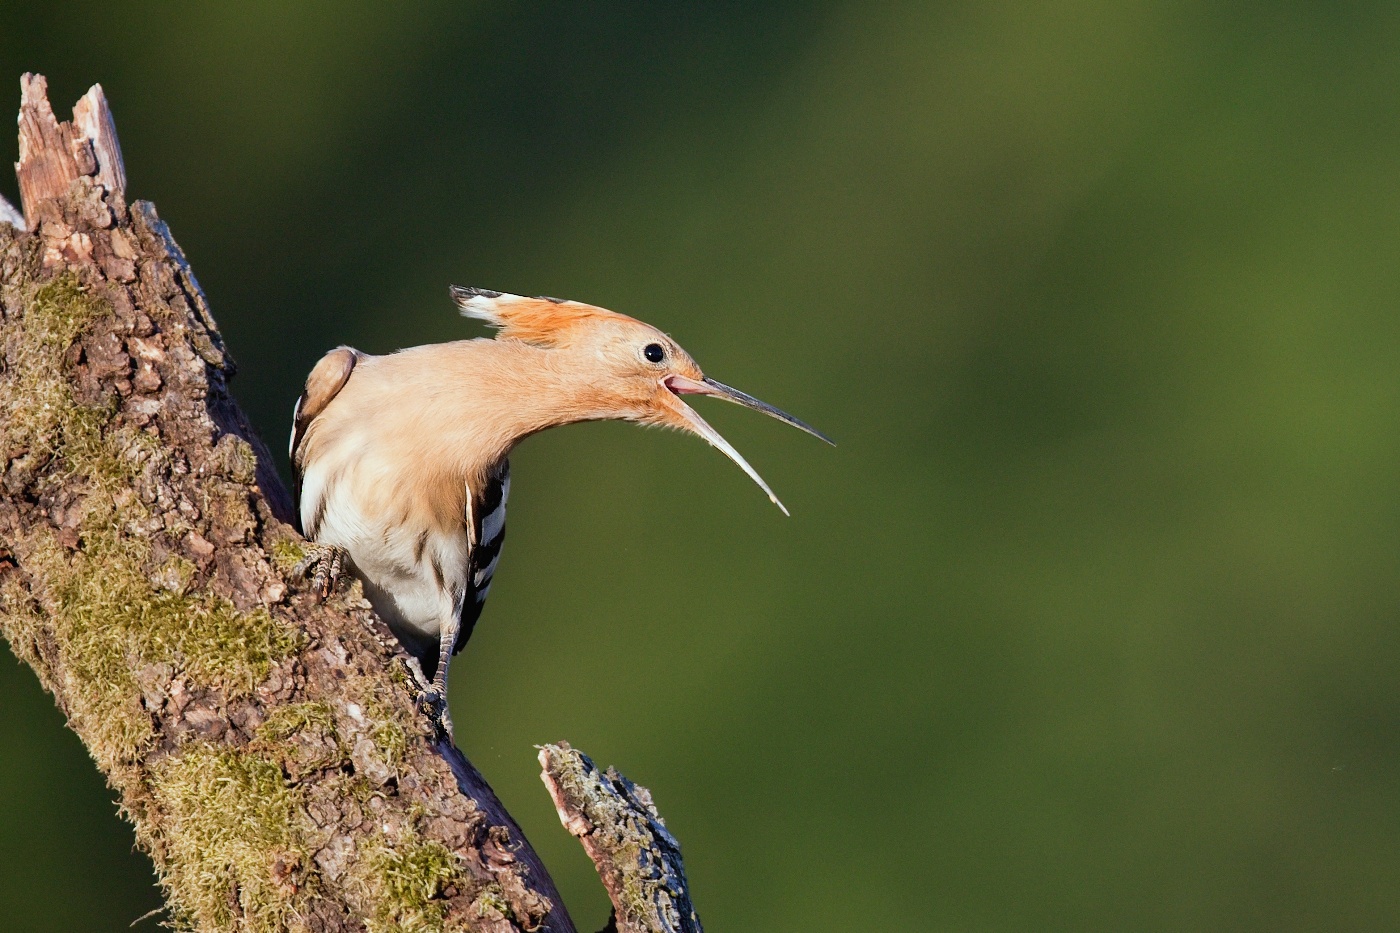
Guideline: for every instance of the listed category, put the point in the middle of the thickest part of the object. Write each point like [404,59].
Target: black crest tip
[466,292]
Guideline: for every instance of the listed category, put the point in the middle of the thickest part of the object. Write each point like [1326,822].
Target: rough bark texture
[637,858]
[267,748]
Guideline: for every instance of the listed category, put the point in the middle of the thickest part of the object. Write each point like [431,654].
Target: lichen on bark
[267,748]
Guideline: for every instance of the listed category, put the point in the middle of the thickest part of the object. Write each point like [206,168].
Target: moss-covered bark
[266,748]
[638,860]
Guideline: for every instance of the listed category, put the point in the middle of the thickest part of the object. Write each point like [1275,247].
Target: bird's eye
[654,352]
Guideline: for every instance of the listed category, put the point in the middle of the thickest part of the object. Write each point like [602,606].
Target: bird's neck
[505,391]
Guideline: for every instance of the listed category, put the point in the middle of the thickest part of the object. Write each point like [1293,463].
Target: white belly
[415,582]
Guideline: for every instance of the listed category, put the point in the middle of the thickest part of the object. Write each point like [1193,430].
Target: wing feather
[327,378]
[486,524]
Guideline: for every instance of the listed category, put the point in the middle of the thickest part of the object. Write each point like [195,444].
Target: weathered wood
[53,155]
[637,858]
[93,124]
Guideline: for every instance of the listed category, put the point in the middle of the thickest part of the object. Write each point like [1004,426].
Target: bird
[401,461]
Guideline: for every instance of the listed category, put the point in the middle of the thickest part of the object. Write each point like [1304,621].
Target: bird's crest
[544,321]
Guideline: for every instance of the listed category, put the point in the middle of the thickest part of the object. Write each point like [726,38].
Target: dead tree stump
[266,747]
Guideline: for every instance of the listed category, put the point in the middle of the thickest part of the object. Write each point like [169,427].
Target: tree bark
[638,860]
[267,748]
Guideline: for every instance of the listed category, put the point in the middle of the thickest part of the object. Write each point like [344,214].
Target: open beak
[680,385]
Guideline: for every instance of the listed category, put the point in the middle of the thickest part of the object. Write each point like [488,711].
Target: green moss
[285,721]
[239,461]
[304,737]
[406,880]
[388,724]
[636,894]
[110,621]
[104,702]
[108,616]
[390,738]
[286,553]
[36,397]
[107,619]
[491,901]
[35,393]
[176,574]
[240,859]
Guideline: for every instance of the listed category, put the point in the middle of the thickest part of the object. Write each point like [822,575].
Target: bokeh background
[1090,622]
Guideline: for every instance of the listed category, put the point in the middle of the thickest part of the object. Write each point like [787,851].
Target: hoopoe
[400,461]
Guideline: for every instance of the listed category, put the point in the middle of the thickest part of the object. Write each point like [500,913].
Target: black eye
[654,352]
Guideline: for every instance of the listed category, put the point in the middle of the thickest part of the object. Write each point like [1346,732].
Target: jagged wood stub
[53,154]
[266,747]
[638,860]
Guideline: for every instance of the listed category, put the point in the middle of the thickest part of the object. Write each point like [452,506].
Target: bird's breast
[413,562]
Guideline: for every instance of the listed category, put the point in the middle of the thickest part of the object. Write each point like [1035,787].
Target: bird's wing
[327,378]
[486,524]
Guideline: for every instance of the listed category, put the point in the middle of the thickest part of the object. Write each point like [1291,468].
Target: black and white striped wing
[488,518]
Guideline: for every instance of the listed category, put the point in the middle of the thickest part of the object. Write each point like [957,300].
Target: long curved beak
[683,386]
[680,385]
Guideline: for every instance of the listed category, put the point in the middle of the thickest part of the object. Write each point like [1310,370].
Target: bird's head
[636,373]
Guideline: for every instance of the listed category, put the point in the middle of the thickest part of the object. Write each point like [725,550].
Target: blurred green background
[1089,623]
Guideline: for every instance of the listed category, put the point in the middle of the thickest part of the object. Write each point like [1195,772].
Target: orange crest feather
[543,321]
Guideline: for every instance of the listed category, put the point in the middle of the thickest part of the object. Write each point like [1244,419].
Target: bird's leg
[435,697]
[324,563]
[435,705]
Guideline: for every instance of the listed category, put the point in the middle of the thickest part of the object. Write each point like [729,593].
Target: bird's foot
[324,564]
[433,702]
[430,696]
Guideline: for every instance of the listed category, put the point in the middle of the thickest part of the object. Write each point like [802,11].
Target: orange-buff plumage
[401,465]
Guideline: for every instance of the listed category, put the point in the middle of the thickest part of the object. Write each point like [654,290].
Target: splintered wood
[53,155]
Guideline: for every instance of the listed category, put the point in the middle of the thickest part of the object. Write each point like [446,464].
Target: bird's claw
[434,705]
[324,564]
